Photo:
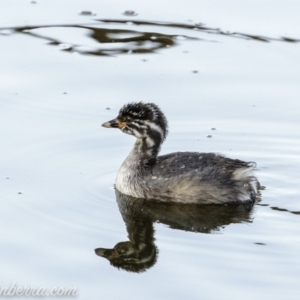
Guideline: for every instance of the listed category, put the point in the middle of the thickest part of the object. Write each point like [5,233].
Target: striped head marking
[142,120]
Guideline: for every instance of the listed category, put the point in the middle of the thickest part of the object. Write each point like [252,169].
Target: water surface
[207,66]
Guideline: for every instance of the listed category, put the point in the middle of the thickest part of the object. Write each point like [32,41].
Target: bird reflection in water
[140,252]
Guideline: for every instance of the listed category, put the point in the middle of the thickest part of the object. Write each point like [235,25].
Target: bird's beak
[115,123]
[107,253]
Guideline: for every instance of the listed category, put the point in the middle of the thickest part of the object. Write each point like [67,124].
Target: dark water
[236,81]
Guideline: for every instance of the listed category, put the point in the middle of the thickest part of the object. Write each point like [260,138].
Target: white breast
[126,181]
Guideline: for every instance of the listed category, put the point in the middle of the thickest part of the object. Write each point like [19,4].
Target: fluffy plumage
[187,177]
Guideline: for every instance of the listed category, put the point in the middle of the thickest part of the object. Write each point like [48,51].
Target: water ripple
[126,37]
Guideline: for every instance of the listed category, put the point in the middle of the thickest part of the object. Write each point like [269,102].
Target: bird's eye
[128,120]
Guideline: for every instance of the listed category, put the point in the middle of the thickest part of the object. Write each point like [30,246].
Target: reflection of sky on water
[55,153]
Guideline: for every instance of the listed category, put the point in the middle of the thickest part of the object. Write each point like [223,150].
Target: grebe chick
[187,177]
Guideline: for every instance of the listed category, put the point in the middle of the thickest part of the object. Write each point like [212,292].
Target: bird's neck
[146,150]
[140,160]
